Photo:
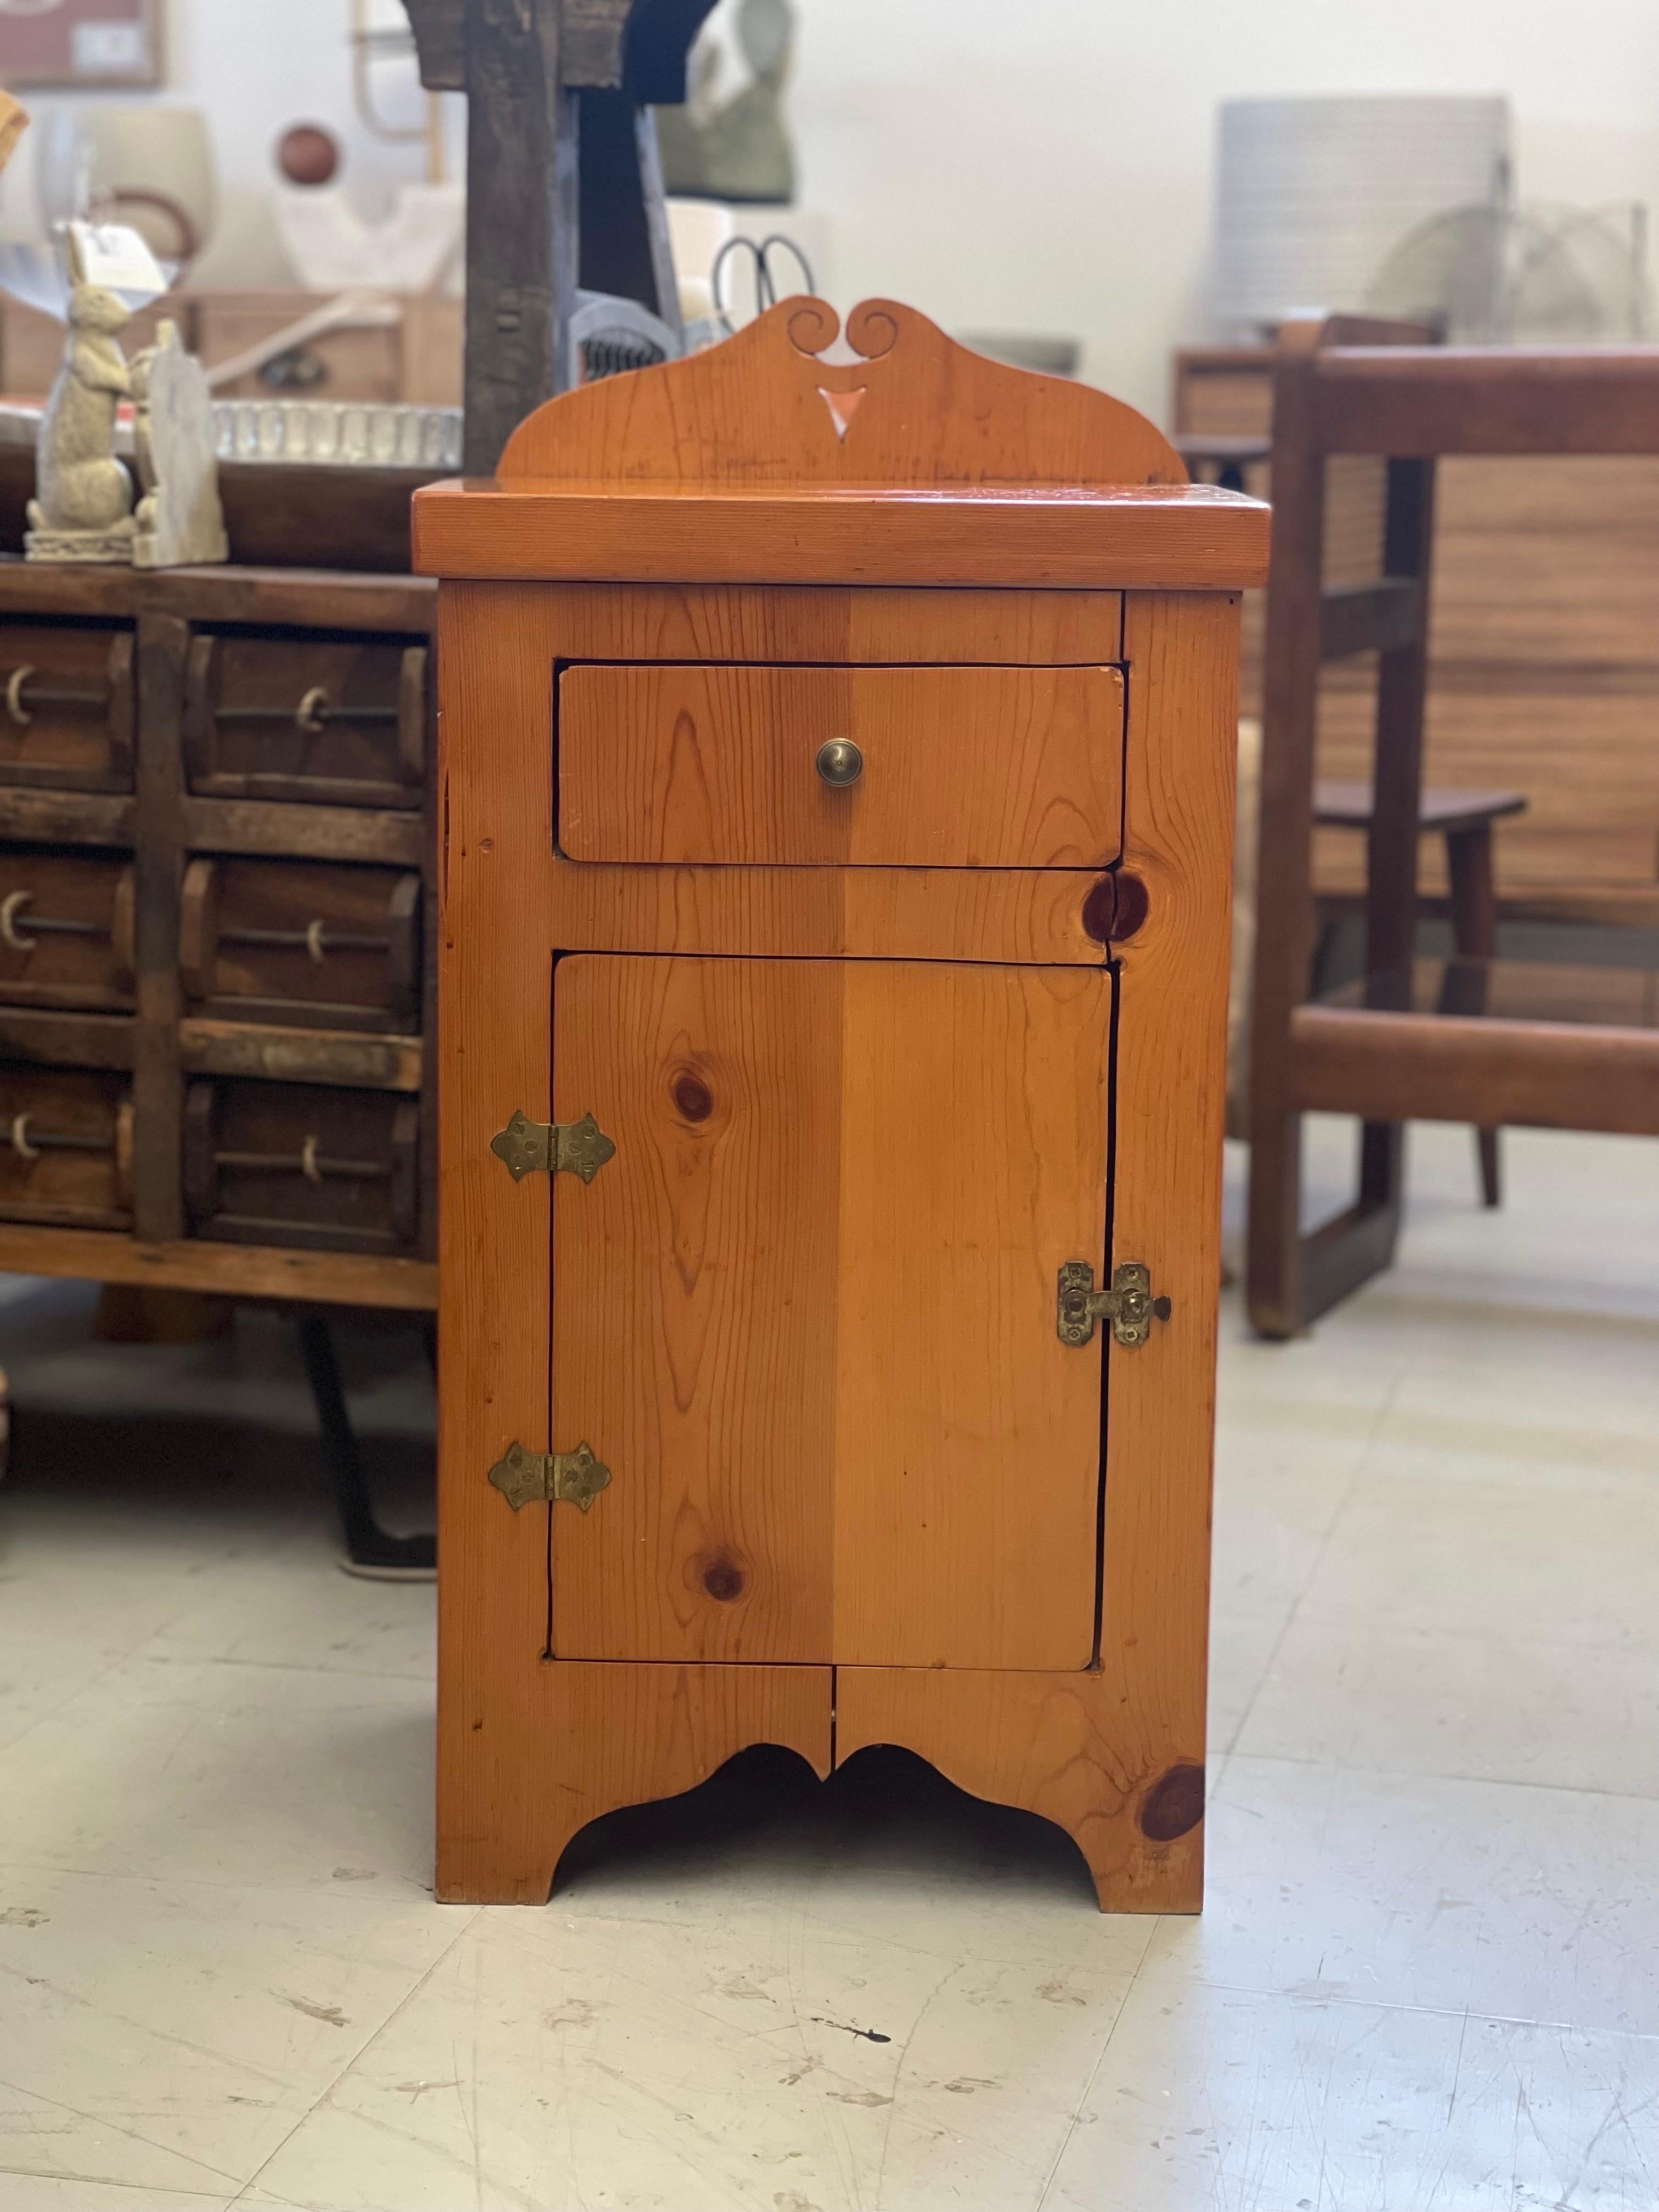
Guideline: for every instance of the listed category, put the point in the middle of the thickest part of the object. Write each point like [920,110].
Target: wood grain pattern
[575,620]
[300,1055]
[813,1291]
[68,1159]
[291,594]
[599,1736]
[1024,914]
[494,1016]
[917,410]
[973,1165]
[693,1307]
[1170,540]
[989,767]
[343,1278]
[806,1314]
[1430,1067]
[1171,1082]
[89,966]
[1048,1742]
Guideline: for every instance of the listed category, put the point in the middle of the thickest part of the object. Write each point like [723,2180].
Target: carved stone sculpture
[179,521]
[736,149]
[84,508]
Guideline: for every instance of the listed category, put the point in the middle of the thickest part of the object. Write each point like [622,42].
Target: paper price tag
[115,257]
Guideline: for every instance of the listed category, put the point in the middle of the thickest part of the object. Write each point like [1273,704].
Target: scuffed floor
[1427,1979]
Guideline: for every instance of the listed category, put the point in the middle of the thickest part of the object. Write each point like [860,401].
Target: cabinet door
[805,1315]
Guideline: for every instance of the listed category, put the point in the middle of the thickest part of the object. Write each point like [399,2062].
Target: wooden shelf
[238,1271]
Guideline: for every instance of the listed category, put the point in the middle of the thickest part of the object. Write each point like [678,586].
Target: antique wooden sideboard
[217,946]
[216,931]
[836,793]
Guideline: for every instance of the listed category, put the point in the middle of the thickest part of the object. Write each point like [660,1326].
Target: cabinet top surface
[914,461]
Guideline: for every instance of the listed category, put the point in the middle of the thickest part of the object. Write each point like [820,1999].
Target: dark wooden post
[564,188]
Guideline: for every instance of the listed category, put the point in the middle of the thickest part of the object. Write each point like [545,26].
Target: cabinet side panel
[694,1306]
[968,1435]
[1171,1086]
[495,1018]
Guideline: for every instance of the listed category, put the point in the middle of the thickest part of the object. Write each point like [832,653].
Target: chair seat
[1511,991]
[1348,806]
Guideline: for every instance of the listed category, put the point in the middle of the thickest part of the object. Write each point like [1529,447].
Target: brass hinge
[552,1147]
[1129,1305]
[527,1478]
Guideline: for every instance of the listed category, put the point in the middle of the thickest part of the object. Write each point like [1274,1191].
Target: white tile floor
[1427,1979]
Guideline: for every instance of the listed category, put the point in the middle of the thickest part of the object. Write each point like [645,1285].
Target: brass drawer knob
[840,761]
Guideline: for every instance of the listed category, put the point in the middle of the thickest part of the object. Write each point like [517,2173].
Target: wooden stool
[1464,819]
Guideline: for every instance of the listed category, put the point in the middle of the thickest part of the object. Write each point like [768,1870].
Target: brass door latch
[573,1478]
[1129,1305]
[552,1147]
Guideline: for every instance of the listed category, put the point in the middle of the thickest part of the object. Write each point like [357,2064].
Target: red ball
[307,154]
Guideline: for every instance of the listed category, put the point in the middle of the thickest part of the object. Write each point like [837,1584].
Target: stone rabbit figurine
[84,508]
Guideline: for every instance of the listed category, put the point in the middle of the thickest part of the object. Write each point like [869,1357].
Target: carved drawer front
[296,1163]
[338,720]
[302,941]
[66,929]
[65,1148]
[983,768]
[66,699]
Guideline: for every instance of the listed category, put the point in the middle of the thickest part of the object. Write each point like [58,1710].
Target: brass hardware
[311,715]
[20,1138]
[552,1147]
[1129,1305]
[527,1478]
[15,707]
[840,761]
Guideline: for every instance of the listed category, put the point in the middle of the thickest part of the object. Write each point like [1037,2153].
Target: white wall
[1045,164]
[1022,164]
[255,67]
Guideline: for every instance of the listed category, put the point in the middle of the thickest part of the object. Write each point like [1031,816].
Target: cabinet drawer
[295,1163]
[66,924]
[287,940]
[66,706]
[987,767]
[336,721]
[65,1148]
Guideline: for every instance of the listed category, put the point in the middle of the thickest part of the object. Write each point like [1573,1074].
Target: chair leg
[1492,1184]
[1472,884]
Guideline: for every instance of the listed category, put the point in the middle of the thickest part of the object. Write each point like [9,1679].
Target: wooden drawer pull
[28,1143]
[21,711]
[308,1162]
[316,938]
[42,924]
[311,716]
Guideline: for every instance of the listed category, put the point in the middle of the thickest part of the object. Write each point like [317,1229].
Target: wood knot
[723,1579]
[1174,1805]
[1115,907]
[692,1100]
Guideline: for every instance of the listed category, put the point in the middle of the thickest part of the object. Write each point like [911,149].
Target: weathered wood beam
[439,28]
[522,237]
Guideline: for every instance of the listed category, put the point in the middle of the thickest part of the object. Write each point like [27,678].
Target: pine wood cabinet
[833,973]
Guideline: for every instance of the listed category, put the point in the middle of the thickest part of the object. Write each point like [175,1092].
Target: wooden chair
[1463,821]
[1239,460]
[1473,1040]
